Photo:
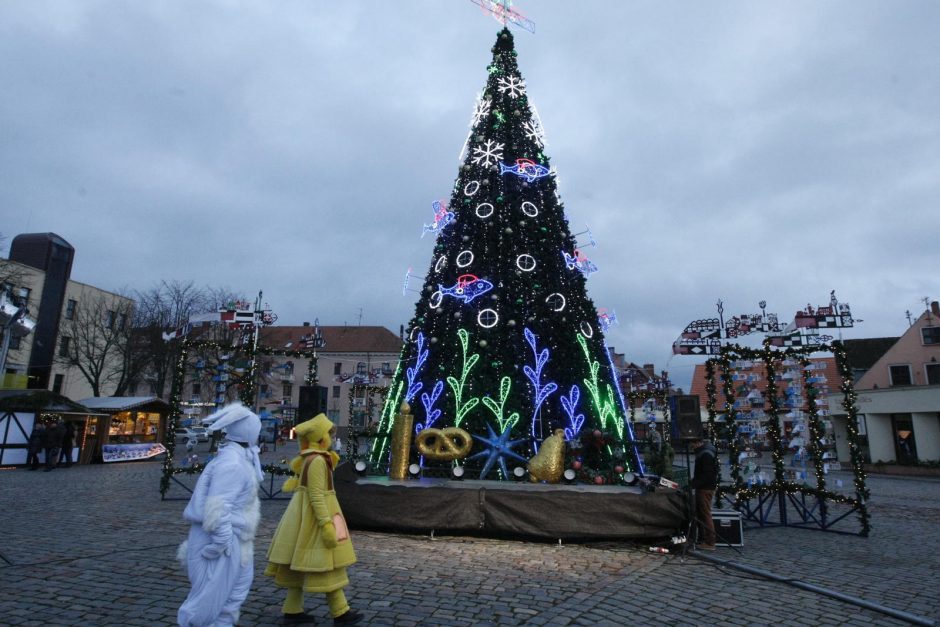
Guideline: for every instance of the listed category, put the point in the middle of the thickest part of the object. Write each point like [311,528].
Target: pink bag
[339,523]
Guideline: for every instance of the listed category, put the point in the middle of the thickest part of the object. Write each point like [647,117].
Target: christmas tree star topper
[502,12]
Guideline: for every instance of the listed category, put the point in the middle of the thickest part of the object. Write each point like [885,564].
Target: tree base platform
[517,510]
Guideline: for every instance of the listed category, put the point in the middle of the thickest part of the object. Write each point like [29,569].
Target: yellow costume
[305,555]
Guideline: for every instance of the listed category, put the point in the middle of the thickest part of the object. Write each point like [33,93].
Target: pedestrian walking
[68,442]
[311,547]
[224,512]
[36,443]
[52,442]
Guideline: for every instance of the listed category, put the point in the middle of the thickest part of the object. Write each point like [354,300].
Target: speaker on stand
[686,418]
[687,428]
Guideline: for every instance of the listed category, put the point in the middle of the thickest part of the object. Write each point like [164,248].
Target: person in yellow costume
[311,547]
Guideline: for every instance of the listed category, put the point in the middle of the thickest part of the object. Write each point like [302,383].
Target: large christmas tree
[505,341]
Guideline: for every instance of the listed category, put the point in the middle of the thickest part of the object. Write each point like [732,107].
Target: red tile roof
[344,339]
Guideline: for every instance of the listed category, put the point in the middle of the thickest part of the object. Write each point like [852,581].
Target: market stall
[21,410]
[128,428]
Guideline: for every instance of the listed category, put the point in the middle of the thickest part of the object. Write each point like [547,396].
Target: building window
[337,368]
[289,368]
[386,368]
[287,390]
[930,335]
[70,309]
[900,375]
[57,383]
[197,389]
[122,321]
[15,342]
[109,319]
[335,391]
[64,346]
[933,374]
[333,415]
[361,367]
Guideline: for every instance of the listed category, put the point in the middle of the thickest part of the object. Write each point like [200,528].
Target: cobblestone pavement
[95,545]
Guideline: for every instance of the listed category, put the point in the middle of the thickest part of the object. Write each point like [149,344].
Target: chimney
[650,370]
[401,332]
[306,324]
[935,308]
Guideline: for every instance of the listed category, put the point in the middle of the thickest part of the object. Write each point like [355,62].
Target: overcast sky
[735,150]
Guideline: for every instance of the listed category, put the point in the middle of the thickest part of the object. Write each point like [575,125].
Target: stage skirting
[505,509]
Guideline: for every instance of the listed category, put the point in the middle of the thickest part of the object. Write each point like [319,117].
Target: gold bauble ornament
[549,463]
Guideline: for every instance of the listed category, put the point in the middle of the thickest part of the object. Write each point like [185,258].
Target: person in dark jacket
[705,482]
[36,437]
[51,442]
[68,441]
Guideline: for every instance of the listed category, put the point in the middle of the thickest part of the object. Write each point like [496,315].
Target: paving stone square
[95,545]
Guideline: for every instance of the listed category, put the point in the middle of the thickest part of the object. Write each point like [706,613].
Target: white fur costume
[224,511]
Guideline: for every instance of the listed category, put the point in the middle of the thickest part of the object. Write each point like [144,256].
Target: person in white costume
[224,511]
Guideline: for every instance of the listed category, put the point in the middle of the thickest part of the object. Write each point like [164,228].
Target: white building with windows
[354,367]
[899,396]
[66,312]
[363,356]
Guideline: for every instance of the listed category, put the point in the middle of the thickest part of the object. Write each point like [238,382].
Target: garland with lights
[780,487]
[370,427]
[246,387]
[660,462]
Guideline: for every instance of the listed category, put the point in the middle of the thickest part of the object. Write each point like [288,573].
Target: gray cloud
[728,150]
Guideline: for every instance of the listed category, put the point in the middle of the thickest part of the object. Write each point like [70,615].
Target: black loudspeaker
[312,402]
[686,418]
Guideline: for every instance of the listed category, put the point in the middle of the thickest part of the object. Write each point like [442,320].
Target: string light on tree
[509,228]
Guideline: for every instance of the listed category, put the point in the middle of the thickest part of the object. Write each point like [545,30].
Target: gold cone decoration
[549,463]
[444,444]
[401,443]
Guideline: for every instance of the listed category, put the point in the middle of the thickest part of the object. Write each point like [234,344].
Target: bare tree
[91,341]
[164,307]
[11,274]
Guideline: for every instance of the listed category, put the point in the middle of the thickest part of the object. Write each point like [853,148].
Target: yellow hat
[313,430]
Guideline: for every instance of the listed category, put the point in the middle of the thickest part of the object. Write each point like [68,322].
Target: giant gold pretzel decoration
[444,444]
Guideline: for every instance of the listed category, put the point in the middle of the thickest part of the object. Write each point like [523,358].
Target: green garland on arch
[246,395]
[738,491]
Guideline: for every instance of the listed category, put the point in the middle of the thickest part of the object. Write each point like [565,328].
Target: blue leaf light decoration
[431,414]
[570,405]
[415,386]
[535,377]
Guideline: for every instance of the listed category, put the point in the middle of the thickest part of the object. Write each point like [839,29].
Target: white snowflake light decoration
[489,154]
[534,132]
[481,110]
[513,86]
